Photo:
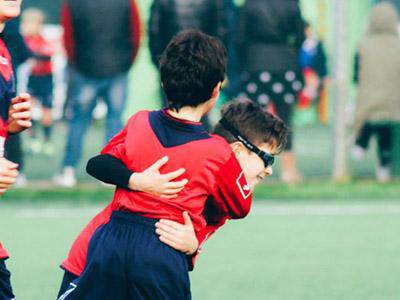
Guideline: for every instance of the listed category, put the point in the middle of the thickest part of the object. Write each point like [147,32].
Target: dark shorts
[5,283]
[126,260]
[41,87]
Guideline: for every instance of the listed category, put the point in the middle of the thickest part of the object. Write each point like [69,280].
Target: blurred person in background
[19,54]
[40,84]
[102,39]
[269,36]
[315,73]
[378,77]
[168,17]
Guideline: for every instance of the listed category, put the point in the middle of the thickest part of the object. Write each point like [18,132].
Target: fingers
[173,175]
[187,219]
[170,243]
[169,223]
[170,193]
[21,98]
[168,236]
[7,180]
[4,163]
[176,184]
[158,164]
[21,106]
[169,229]
[10,174]
[24,123]
[21,115]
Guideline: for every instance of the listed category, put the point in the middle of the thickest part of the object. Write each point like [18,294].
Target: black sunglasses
[267,158]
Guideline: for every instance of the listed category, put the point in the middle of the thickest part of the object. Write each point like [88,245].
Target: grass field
[304,249]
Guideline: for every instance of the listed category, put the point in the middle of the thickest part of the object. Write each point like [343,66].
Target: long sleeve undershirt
[109,169]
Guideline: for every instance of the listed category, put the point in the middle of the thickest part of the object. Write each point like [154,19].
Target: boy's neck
[2,25]
[193,114]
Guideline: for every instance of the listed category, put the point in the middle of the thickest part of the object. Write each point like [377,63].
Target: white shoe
[383,174]
[358,152]
[21,181]
[66,178]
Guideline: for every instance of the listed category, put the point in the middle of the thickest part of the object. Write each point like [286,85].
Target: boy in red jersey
[192,69]
[15,116]
[255,125]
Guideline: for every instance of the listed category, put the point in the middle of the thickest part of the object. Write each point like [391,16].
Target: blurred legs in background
[384,134]
[84,93]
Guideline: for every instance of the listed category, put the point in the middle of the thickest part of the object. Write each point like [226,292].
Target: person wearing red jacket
[40,84]
[15,116]
[101,39]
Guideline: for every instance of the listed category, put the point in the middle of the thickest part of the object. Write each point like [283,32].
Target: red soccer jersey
[211,167]
[39,46]
[3,252]
[6,94]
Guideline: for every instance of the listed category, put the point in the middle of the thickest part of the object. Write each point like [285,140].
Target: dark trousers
[126,260]
[5,284]
[384,135]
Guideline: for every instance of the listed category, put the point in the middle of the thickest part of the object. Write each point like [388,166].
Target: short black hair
[253,123]
[191,66]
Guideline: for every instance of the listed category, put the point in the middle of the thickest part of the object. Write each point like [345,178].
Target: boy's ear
[216,90]
[237,148]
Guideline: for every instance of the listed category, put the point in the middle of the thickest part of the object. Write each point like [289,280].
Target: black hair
[191,66]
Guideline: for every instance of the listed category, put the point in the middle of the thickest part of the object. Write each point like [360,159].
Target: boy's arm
[19,114]
[183,238]
[109,169]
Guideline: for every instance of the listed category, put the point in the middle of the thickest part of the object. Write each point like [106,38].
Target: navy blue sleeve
[109,169]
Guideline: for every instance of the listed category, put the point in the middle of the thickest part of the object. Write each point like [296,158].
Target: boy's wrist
[135,182]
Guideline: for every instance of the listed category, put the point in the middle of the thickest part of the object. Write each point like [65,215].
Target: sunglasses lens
[268,160]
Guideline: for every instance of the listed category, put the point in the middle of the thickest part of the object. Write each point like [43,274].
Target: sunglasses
[267,158]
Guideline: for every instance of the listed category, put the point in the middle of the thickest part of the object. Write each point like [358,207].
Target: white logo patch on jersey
[243,186]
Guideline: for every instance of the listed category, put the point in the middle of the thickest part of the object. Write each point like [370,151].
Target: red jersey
[7,92]
[3,252]
[212,169]
[43,50]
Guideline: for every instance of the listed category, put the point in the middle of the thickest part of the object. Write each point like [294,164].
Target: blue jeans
[83,93]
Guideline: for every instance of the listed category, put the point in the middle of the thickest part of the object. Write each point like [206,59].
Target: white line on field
[258,209]
[326,210]
[57,212]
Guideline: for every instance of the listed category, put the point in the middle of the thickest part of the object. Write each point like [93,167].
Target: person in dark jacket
[168,17]
[268,39]
[102,39]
